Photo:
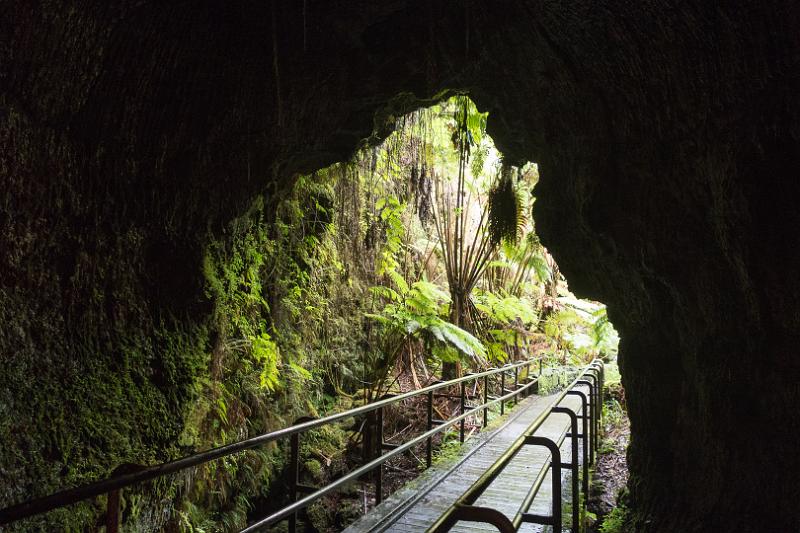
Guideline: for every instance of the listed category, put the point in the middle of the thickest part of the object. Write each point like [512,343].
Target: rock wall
[668,139]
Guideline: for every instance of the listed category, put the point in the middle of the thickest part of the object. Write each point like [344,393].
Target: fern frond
[506,212]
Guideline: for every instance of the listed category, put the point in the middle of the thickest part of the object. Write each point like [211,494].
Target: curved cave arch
[667,136]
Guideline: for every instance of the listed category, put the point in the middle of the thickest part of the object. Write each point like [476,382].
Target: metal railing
[464,509]
[524,382]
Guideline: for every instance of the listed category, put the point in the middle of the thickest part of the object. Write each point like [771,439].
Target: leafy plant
[617,521]
[418,313]
[470,223]
[580,329]
[505,320]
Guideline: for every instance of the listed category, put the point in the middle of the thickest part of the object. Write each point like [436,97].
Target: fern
[462,340]
[506,211]
[418,314]
[266,352]
[506,308]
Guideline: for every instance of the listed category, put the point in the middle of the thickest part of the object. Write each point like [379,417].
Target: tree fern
[419,314]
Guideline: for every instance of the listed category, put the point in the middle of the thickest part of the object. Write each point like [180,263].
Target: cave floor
[611,470]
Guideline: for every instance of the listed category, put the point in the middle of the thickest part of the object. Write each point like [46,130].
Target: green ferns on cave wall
[417,254]
[323,299]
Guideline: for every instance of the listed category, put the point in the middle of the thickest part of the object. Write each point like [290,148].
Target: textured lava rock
[668,139]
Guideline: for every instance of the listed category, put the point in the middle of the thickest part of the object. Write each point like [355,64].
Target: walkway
[503,484]
[416,506]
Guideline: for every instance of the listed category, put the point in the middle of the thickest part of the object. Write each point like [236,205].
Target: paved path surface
[416,506]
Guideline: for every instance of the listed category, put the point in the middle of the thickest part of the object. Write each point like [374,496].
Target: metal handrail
[464,507]
[355,474]
[113,484]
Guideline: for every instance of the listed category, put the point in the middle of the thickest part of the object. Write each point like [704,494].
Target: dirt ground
[611,471]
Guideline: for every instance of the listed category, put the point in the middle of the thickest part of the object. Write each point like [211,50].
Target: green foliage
[581,330]
[506,212]
[265,351]
[473,121]
[391,214]
[361,268]
[419,312]
[272,288]
[234,284]
[604,337]
[617,521]
[505,321]
[448,450]
[505,309]
[522,259]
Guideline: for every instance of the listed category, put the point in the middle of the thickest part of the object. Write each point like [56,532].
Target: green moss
[314,469]
[78,424]
[261,281]
[448,450]
[349,511]
[319,516]
[617,521]
[322,450]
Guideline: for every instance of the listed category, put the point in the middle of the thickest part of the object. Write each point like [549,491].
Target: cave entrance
[418,259]
[431,223]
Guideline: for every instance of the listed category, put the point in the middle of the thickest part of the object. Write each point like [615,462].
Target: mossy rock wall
[667,137]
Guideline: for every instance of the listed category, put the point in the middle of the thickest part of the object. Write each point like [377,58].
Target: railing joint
[533,518]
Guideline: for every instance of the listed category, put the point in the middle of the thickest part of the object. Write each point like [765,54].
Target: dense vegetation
[415,259]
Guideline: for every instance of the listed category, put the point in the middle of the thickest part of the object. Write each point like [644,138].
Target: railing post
[573,425]
[600,376]
[502,392]
[601,379]
[367,444]
[600,389]
[597,410]
[294,477]
[555,476]
[294,470]
[379,472]
[462,424]
[112,512]
[532,389]
[590,381]
[516,384]
[429,426]
[600,393]
[592,411]
[527,379]
[586,440]
[485,401]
